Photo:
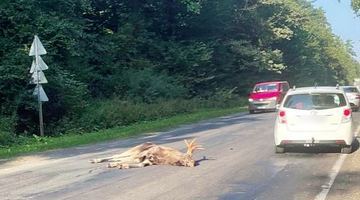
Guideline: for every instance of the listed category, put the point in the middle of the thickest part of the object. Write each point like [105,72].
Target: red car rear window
[271,87]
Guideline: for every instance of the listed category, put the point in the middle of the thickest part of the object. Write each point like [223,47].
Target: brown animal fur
[151,154]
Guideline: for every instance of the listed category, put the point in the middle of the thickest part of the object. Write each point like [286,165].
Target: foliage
[6,135]
[116,112]
[356,5]
[147,86]
[134,55]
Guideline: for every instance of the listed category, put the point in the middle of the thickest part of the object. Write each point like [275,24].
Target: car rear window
[351,90]
[317,101]
[265,87]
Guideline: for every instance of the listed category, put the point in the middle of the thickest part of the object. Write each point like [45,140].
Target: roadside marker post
[38,76]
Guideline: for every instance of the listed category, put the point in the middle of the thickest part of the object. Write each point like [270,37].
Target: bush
[6,138]
[6,135]
[116,112]
[148,86]
[6,123]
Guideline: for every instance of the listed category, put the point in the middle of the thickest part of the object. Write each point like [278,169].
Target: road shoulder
[346,185]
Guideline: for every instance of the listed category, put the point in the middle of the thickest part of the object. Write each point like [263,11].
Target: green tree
[147,51]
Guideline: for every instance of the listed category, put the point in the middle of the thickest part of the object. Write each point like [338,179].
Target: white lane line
[333,173]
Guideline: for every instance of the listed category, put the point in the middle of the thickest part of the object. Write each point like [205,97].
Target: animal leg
[124,165]
[115,158]
[121,165]
[126,156]
[128,166]
[99,160]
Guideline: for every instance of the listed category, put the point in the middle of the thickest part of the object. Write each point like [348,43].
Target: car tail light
[347,112]
[285,141]
[282,113]
[282,117]
[346,115]
[340,142]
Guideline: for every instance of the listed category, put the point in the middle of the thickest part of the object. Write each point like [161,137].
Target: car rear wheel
[251,111]
[279,149]
[346,149]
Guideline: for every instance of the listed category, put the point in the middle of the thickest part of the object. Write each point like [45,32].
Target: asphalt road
[238,163]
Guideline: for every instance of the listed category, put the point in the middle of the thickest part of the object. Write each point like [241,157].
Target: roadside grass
[38,144]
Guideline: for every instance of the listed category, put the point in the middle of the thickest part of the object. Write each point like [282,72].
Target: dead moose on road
[148,153]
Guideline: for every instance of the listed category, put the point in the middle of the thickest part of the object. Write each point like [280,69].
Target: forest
[117,62]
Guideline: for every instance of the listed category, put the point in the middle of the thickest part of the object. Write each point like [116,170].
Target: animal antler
[192,146]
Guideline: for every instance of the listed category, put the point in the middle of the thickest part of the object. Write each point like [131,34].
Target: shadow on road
[204,158]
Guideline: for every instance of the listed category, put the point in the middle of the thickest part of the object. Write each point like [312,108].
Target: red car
[267,95]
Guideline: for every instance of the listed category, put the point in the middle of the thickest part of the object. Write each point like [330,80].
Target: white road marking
[333,173]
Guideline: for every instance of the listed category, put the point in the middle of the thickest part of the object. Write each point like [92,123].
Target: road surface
[238,163]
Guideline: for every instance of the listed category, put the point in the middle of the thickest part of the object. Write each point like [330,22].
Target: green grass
[47,143]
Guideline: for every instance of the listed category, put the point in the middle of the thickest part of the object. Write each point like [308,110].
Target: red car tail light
[282,113]
[347,112]
[346,115]
[340,142]
[285,142]
[282,117]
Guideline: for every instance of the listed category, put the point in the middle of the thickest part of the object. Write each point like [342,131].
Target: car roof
[319,89]
[348,86]
[269,82]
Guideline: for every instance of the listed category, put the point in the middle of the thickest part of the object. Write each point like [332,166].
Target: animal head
[191,147]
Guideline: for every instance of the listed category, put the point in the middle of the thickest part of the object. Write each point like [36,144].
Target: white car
[353,95]
[312,117]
